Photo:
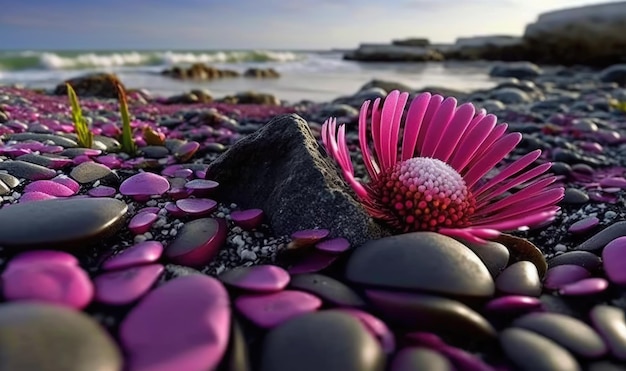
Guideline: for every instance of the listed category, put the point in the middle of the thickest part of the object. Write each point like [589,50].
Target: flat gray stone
[60,223]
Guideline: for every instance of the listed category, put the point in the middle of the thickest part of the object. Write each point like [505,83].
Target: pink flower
[442,176]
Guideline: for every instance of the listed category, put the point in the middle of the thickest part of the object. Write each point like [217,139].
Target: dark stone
[615,73]
[532,352]
[418,358]
[520,70]
[328,289]
[610,322]
[45,161]
[585,259]
[494,255]
[602,238]
[9,180]
[574,196]
[60,223]
[101,85]
[327,340]
[281,170]
[197,242]
[56,139]
[520,278]
[88,172]
[421,261]
[45,337]
[572,334]
[154,151]
[521,249]
[435,314]
[27,170]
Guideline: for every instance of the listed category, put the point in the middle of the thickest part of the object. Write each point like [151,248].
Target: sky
[257,24]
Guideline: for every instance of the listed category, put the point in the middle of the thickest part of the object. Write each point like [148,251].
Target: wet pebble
[561,275]
[330,290]
[27,170]
[142,222]
[587,286]
[89,172]
[247,219]
[144,184]
[614,261]
[584,225]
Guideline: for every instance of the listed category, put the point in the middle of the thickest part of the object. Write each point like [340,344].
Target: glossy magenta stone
[68,182]
[313,262]
[271,310]
[102,191]
[49,187]
[257,278]
[614,261]
[201,187]
[35,196]
[124,286]
[182,325]
[588,286]
[309,236]
[142,253]
[561,275]
[144,184]
[247,219]
[197,206]
[142,222]
[333,246]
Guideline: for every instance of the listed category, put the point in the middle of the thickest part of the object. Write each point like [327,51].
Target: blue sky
[241,24]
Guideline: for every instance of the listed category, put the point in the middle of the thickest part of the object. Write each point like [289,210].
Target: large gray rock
[590,35]
[281,170]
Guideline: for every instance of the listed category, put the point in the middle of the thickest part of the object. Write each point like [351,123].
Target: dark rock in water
[281,170]
[519,70]
[328,340]
[421,261]
[101,85]
[37,336]
[60,223]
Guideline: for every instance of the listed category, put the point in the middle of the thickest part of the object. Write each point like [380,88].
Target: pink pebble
[142,253]
[333,246]
[142,222]
[588,286]
[49,187]
[35,196]
[247,219]
[62,284]
[102,191]
[271,310]
[125,286]
[257,278]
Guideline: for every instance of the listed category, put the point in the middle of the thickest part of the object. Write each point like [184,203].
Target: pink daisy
[442,176]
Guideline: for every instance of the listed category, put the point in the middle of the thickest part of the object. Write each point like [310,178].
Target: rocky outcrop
[263,73]
[415,41]
[100,85]
[252,97]
[198,71]
[393,53]
[590,35]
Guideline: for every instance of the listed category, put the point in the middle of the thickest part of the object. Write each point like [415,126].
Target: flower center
[424,193]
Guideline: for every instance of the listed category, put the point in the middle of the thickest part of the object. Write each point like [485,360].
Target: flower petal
[454,131]
[365,150]
[413,123]
[495,154]
[509,171]
[476,134]
[439,123]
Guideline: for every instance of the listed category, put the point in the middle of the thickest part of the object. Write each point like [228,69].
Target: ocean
[312,75]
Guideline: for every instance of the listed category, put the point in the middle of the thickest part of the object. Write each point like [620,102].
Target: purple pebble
[313,262]
[613,182]
[171,170]
[588,286]
[144,184]
[183,173]
[584,225]
[197,206]
[62,284]
[142,222]
[257,278]
[186,151]
[465,361]
[177,193]
[187,313]
[102,191]
[174,210]
[513,304]
[247,219]
[68,182]
[334,246]
[142,253]
[49,187]
[560,275]
[309,236]
[41,256]
[271,310]
[150,209]
[125,286]
[201,187]
[110,161]
[614,261]
[35,196]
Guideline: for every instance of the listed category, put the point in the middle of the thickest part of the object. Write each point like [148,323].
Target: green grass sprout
[85,136]
[128,144]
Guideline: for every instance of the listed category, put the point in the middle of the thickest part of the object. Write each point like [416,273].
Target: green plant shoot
[84,135]
[128,144]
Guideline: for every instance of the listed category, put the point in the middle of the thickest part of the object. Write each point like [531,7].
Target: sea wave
[48,60]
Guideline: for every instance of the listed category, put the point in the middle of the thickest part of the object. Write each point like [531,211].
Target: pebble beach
[230,241]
